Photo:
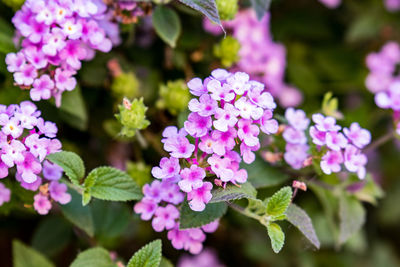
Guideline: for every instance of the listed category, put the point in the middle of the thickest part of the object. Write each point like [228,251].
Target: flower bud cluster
[132,116]
[260,56]
[174,96]
[56,35]
[25,141]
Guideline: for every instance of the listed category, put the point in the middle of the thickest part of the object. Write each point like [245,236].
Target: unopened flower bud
[174,96]
[132,116]
[227,51]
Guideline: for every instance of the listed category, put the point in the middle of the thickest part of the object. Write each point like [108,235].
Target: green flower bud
[227,9]
[174,96]
[132,117]
[125,85]
[227,51]
[139,171]
[15,4]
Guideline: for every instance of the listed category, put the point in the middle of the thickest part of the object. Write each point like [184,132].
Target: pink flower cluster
[160,204]
[207,258]
[383,79]
[340,148]
[260,56]
[229,113]
[56,36]
[295,136]
[25,141]
[392,5]
[331,3]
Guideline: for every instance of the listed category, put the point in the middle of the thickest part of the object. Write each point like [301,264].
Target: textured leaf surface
[352,217]
[261,174]
[71,163]
[299,218]
[207,7]
[79,215]
[277,237]
[191,219]
[279,201]
[167,24]
[232,192]
[24,256]
[93,257]
[147,256]
[109,183]
[73,109]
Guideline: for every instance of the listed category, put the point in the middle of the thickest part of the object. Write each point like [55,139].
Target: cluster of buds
[132,116]
[25,141]
[56,36]
[174,96]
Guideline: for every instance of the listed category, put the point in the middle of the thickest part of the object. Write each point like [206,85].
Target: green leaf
[261,174]
[279,201]
[79,215]
[73,110]
[109,183]
[24,256]
[165,262]
[207,7]
[299,218]
[166,24]
[352,217]
[93,257]
[277,237]
[147,256]
[71,163]
[232,192]
[52,235]
[260,7]
[192,219]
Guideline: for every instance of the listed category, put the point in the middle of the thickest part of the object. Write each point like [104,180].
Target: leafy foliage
[207,7]
[147,256]
[352,217]
[167,24]
[277,236]
[192,219]
[25,256]
[279,202]
[232,192]
[93,257]
[71,163]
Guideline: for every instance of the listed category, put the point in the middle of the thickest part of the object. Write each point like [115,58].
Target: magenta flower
[325,124]
[247,152]
[295,155]
[42,88]
[15,61]
[318,137]
[294,136]
[355,161]
[36,57]
[226,117]
[25,75]
[220,92]
[223,141]
[196,87]
[48,128]
[357,135]
[196,125]
[153,191]
[220,74]
[51,171]
[331,161]
[54,42]
[146,207]
[58,192]
[248,132]
[335,141]
[331,3]
[220,166]
[261,98]
[10,126]
[176,142]
[41,204]
[73,53]
[29,167]
[248,110]
[3,170]
[12,153]
[170,193]
[191,178]
[37,146]
[5,194]
[211,227]
[205,106]
[198,198]
[238,82]
[207,144]
[164,218]
[392,5]
[29,186]
[169,167]
[267,124]
[72,28]
[64,80]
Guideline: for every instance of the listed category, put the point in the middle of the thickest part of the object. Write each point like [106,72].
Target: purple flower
[73,53]
[37,146]
[153,191]
[198,198]
[27,114]
[51,171]
[64,80]
[220,74]
[176,142]
[29,168]
[146,207]
[267,124]
[5,194]
[220,92]
[223,141]
[54,42]
[331,161]
[164,218]
[318,137]
[42,88]
[10,126]
[211,227]
[191,178]
[25,75]
[331,3]
[3,170]
[220,166]
[207,144]
[170,192]
[169,167]
[355,161]
[196,125]
[36,57]
[325,124]
[58,192]
[294,136]
[238,82]
[358,136]
[41,204]
[226,117]
[205,106]
[12,153]
[15,61]
[248,110]
[297,119]
[47,128]
[196,87]
[205,259]
[392,5]
[295,155]
[29,186]
[247,152]
[248,132]
[335,141]
[260,98]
